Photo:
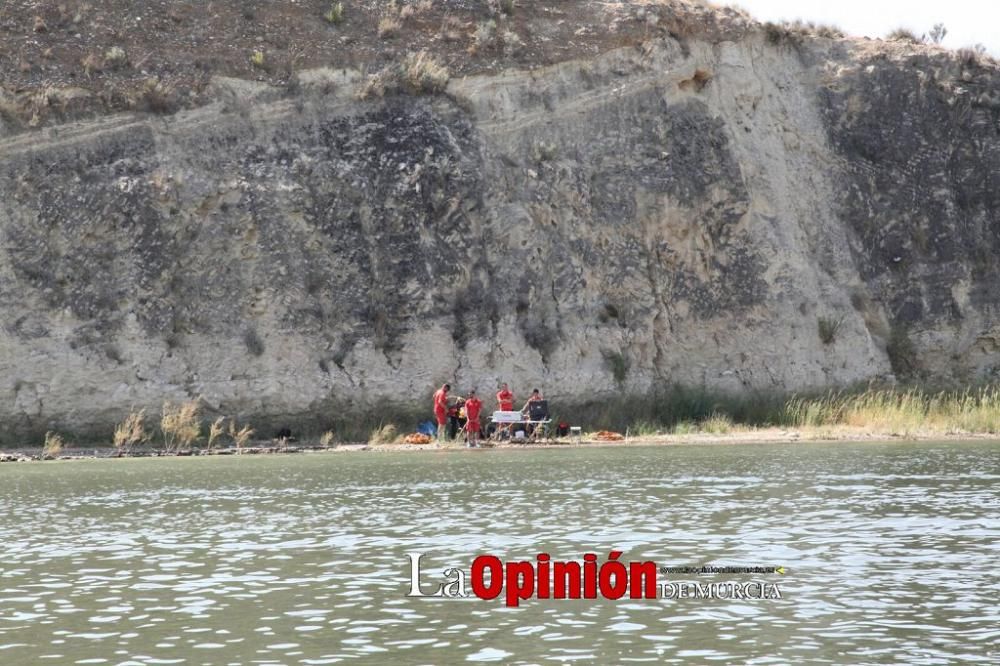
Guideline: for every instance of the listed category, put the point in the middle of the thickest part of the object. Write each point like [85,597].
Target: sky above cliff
[968,21]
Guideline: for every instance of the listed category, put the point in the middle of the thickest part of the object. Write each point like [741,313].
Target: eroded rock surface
[676,212]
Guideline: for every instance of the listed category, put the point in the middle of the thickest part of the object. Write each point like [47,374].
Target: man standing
[441,409]
[505,403]
[505,399]
[473,405]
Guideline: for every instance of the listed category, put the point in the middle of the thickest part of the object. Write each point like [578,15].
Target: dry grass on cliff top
[64,58]
[61,60]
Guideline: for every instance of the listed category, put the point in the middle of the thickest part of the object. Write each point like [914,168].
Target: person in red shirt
[441,409]
[473,406]
[505,403]
[535,395]
[505,399]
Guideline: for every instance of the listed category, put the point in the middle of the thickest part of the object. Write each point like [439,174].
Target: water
[891,553]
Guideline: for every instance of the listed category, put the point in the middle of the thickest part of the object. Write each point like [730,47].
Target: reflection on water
[891,553]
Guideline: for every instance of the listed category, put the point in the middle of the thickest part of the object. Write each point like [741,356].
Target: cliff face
[691,212]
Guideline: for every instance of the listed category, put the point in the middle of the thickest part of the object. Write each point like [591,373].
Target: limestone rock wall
[674,213]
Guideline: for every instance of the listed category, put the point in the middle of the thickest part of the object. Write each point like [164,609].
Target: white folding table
[507,420]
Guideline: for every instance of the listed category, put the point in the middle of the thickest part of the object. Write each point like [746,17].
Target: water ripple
[890,551]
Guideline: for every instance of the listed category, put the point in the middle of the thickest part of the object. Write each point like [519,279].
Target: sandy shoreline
[738,436]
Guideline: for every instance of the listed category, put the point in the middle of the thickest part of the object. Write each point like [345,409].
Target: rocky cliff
[733,207]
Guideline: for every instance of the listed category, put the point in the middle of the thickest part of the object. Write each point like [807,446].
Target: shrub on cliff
[793,32]
[418,73]
[484,37]
[829,31]
[904,35]
[827,328]
[92,64]
[938,32]
[491,36]
[452,29]
[116,58]
[973,57]
[155,97]
[335,15]
[782,33]
[544,151]
[422,73]
[388,26]
[391,21]
[498,7]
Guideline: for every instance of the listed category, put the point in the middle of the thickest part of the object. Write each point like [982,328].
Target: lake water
[891,554]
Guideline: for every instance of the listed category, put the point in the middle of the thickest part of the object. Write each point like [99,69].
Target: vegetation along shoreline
[667,416]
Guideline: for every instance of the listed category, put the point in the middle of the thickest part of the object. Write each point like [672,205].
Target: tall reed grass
[666,408]
[897,410]
[901,411]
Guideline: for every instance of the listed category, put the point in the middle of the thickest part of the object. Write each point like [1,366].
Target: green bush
[827,328]
[673,406]
[335,15]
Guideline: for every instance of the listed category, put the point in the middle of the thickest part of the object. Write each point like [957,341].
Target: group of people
[473,406]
